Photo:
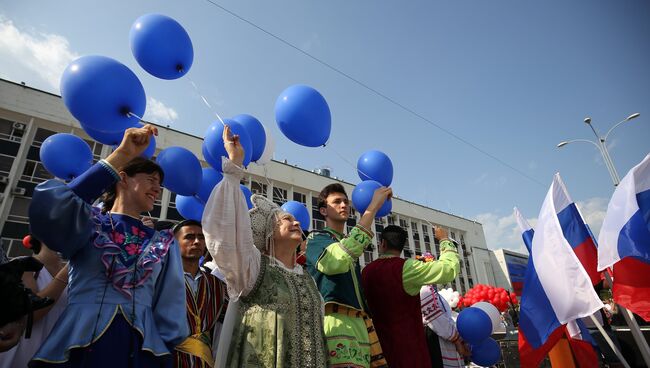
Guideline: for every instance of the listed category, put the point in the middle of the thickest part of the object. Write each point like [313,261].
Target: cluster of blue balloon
[376,170]
[107,97]
[475,324]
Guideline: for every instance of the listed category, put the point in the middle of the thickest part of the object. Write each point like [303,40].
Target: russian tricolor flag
[557,289]
[575,231]
[625,240]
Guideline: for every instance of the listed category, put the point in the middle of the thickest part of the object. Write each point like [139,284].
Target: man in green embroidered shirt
[332,260]
[392,289]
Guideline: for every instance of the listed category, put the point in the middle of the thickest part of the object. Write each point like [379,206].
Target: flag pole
[609,341]
[602,147]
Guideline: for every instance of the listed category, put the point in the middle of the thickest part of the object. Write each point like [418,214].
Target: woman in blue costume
[126,289]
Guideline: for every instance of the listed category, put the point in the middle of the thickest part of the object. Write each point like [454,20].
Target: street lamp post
[601,145]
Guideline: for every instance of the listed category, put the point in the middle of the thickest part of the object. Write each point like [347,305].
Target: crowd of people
[228,291]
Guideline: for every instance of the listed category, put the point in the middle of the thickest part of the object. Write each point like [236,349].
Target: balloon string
[266,177]
[131,114]
[346,161]
[205,101]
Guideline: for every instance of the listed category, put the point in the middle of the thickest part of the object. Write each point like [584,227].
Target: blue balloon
[182,170]
[100,92]
[247,194]
[256,133]
[211,178]
[303,116]
[207,157]
[362,196]
[151,148]
[110,138]
[214,143]
[474,325]
[300,212]
[66,156]
[486,353]
[375,165]
[189,207]
[161,46]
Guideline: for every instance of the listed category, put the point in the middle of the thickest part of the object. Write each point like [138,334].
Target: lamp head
[635,115]
[562,144]
[587,120]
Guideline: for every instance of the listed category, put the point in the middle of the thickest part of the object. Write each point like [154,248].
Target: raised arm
[227,225]
[416,274]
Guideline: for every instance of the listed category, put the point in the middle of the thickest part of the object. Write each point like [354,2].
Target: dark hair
[35,244]
[184,223]
[135,166]
[332,188]
[395,237]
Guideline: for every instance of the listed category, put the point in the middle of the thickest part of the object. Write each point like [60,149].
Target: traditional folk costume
[392,289]
[204,301]
[278,311]
[333,261]
[125,280]
[437,318]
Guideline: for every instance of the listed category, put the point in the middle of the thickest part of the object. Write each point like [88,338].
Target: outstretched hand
[135,141]
[380,196]
[233,146]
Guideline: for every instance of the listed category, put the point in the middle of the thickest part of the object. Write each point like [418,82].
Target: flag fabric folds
[575,231]
[625,240]
[557,289]
[541,326]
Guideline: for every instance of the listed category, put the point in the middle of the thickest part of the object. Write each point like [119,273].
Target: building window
[367,257]
[11,130]
[279,196]
[299,197]
[41,135]
[5,163]
[403,223]
[391,220]
[318,224]
[258,188]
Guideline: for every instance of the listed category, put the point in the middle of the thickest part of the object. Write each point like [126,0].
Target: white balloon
[492,312]
[452,297]
[269,148]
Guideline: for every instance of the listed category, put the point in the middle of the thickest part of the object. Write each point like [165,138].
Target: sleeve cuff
[94,182]
[447,245]
[230,170]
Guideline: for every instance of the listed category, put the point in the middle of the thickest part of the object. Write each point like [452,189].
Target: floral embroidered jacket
[117,265]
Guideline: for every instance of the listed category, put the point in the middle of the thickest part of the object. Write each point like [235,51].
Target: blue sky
[513,78]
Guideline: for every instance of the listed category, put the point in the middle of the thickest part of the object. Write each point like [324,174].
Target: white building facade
[28,116]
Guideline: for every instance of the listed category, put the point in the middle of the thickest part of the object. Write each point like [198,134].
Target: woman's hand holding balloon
[233,146]
[135,141]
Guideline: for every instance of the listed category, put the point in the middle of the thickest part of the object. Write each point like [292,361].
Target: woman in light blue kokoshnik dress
[126,289]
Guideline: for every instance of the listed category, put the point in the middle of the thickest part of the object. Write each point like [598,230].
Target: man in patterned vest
[332,260]
[204,294]
[392,288]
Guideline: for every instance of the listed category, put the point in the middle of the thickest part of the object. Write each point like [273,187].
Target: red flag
[531,357]
[632,286]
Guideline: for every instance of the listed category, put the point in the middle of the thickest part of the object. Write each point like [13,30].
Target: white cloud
[503,232]
[159,113]
[44,54]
